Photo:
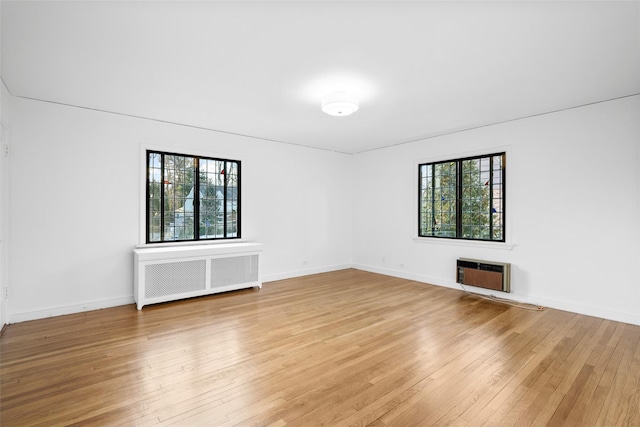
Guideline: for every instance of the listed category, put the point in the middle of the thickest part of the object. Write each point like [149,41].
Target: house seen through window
[463,198]
[191,198]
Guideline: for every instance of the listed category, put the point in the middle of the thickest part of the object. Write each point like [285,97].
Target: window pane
[154,177]
[438,199]
[232,199]
[212,198]
[445,200]
[476,175]
[179,178]
[497,208]
[426,199]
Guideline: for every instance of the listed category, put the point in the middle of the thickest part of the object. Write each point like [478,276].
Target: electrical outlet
[6,150]
[5,292]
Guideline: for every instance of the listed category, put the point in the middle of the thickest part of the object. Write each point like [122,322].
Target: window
[463,198]
[191,198]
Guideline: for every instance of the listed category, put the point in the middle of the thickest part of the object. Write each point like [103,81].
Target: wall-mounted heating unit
[484,274]
[169,273]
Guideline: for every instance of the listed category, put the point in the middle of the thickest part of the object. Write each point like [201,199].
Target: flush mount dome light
[339,104]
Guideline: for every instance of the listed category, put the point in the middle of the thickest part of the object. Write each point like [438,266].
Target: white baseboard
[70,309]
[305,272]
[3,312]
[631,318]
[96,305]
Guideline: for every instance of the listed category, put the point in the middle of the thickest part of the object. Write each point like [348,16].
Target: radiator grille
[174,278]
[234,270]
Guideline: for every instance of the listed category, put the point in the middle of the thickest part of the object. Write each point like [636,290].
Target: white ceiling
[260,68]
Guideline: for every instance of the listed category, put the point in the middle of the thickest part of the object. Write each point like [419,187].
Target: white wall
[573,197]
[74,204]
[4,179]
[4,175]
[573,207]
[3,109]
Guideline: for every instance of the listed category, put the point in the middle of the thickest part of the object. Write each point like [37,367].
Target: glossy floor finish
[338,349]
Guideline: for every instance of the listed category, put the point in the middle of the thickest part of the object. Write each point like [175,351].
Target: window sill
[507,246]
[187,243]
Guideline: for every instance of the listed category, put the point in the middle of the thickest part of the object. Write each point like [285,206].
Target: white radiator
[170,273]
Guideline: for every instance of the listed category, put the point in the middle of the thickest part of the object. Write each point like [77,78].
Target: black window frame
[459,196]
[196,199]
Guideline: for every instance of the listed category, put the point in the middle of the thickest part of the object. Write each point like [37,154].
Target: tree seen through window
[192,198]
[463,198]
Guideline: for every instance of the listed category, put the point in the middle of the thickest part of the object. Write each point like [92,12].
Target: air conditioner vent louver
[484,274]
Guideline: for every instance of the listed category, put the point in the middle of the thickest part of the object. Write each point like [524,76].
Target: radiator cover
[169,273]
[484,274]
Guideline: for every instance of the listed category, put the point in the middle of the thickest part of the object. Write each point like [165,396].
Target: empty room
[301,213]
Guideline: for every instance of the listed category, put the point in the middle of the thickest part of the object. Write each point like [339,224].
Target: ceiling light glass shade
[339,104]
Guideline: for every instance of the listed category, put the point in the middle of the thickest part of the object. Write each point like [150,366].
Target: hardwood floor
[338,349]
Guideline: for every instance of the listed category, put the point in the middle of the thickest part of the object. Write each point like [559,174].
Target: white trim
[142,238]
[469,243]
[5,141]
[464,154]
[97,305]
[631,318]
[194,243]
[306,272]
[69,309]
[508,244]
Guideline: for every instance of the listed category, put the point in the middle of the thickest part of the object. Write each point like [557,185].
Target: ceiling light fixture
[339,103]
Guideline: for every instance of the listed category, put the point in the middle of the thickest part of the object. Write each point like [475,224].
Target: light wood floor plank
[346,348]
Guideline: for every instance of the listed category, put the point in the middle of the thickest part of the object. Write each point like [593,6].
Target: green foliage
[470,214]
[476,201]
[439,200]
[175,203]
